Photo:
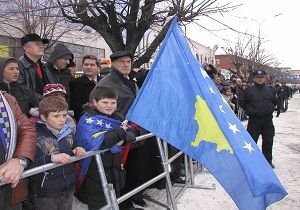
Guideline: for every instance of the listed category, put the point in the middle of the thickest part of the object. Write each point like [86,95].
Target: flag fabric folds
[90,135]
[179,103]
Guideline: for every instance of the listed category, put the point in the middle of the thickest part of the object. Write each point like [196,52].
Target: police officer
[259,102]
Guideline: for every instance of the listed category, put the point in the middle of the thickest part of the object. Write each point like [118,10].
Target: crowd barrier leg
[108,189]
[165,164]
[189,178]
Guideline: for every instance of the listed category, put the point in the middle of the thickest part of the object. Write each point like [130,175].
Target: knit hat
[54,88]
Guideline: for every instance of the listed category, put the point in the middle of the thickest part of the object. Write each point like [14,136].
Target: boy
[54,189]
[101,127]
[55,90]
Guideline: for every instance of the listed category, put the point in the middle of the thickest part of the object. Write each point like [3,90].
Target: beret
[120,54]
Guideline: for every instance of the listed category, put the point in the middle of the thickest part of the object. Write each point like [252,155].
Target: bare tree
[249,53]
[34,16]
[123,23]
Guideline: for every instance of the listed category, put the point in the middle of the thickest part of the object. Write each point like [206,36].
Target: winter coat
[58,181]
[259,100]
[80,89]
[91,191]
[126,89]
[26,141]
[62,76]
[29,78]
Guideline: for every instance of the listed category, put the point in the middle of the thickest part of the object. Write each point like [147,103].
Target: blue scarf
[90,135]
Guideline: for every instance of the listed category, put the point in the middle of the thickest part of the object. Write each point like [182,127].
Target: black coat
[25,97]
[259,100]
[91,191]
[29,78]
[80,89]
[61,76]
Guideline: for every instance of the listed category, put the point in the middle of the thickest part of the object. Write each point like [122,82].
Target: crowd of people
[254,101]
[48,115]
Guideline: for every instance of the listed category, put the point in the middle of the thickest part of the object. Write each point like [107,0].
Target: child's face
[10,72]
[56,120]
[106,105]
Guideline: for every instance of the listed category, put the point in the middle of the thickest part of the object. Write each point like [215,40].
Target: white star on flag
[89,120]
[204,73]
[108,125]
[221,108]
[99,122]
[248,147]
[212,90]
[233,128]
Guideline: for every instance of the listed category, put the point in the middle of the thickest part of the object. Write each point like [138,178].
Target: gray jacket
[126,89]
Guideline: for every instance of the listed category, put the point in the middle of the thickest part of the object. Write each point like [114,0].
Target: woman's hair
[52,104]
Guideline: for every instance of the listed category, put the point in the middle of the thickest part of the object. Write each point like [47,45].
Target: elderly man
[119,79]
[17,150]
[259,102]
[33,73]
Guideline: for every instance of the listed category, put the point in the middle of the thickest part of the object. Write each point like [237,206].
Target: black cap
[32,37]
[120,54]
[259,73]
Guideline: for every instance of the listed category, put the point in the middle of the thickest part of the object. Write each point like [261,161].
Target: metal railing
[109,192]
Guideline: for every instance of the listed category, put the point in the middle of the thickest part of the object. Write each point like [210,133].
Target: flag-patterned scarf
[90,135]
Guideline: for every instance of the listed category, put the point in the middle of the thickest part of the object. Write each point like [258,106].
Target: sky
[276,19]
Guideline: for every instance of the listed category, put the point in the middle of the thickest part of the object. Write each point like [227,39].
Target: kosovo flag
[179,103]
[90,135]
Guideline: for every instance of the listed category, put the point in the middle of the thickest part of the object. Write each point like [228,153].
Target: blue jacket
[58,181]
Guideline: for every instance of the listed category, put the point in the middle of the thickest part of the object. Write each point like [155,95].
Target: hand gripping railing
[109,192]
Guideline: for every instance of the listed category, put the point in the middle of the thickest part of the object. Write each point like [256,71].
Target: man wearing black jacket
[259,102]
[57,64]
[33,73]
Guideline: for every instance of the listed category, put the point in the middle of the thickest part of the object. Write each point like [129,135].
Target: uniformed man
[259,102]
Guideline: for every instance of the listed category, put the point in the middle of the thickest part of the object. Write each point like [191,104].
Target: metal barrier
[109,192]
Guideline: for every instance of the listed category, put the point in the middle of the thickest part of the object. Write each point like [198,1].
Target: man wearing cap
[33,73]
[119,79]
[57,64]
[81,87]
[259,102]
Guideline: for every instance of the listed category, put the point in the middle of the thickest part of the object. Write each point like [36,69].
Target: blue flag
[179,103]
[90,135]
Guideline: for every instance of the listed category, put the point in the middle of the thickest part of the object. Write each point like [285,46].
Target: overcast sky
[278,21]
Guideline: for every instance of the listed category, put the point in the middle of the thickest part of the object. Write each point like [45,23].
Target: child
[55,90]
[54,189]
[101,127]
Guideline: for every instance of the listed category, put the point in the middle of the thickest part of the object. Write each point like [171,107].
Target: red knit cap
[54,88]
